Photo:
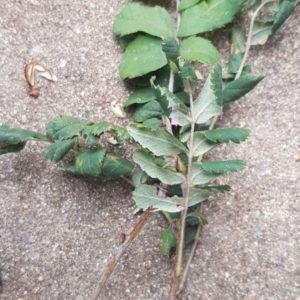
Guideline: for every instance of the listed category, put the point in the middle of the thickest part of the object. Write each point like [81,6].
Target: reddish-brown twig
[119,252]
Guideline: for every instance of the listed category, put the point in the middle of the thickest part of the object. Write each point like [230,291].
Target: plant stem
[248,42]
[191,256]
[247,48]
[119,252]
[186,190]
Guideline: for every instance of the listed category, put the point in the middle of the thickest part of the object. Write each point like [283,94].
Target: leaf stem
[248,42]
[119,252]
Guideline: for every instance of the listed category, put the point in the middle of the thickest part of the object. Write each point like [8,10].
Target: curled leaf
[251,297]
[118,112]
[33,66]
[297,156]
[112,140]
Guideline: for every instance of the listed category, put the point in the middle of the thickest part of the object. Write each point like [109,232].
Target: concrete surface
[57,231]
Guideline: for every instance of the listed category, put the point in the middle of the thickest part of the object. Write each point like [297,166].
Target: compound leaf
[57,150]
[62,128]
[224,135]
[147,163]
[207,16]
[152,20]
[145,196]
[159,141]
[199,49]
[143,55]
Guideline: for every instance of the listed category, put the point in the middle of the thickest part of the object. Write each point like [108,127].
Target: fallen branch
[119,252]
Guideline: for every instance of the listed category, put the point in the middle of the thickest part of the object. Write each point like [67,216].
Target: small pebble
[62,63]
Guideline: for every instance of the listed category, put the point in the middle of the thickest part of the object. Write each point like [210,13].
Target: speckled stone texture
[57,232]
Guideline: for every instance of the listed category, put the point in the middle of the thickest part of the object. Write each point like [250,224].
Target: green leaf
[89,162]
[237,48]
[224,135]
[223,167]
[170,48]
[140,96]
[152,20]
[71,169]
[92,132]
[189,235]
[143,55]
[207,105]
[252,3]
[187,73]
[114,166]
[151,123]
[56,151]
[285,10]
[122,133]
[97,129]
[147,111]
[145,196]
[90,139]
[201,176]
[172,106]
[236,89]
[201,144]
[261,32]
[199,49]
[167,241]
[159,142]
[207,16]
[139,176]
[198,195]
[14,136]
[184,97]
[184,4]
[62,128]
[11,148]
[217,189]
[162,76]
[147,163]
[125,40]
[196,217]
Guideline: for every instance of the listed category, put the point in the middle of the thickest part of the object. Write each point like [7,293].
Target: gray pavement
[57,232]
